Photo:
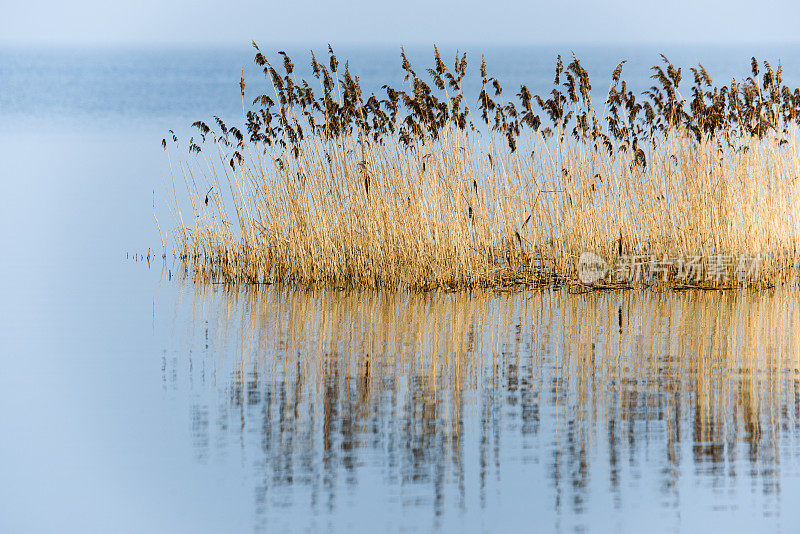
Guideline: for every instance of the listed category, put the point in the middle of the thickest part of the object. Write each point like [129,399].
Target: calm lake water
[133,400]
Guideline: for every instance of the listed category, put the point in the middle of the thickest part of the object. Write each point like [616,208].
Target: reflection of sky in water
[134,403]
[122,87]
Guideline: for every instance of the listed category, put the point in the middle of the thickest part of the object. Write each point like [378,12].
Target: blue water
[132,400]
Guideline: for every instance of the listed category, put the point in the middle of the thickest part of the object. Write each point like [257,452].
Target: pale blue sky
[409,21]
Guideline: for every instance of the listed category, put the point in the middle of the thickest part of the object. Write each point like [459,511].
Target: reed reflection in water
[481,409]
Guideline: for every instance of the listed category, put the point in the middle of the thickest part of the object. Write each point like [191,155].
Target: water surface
[469,411]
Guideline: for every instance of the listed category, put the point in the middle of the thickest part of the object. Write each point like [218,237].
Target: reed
[415,190]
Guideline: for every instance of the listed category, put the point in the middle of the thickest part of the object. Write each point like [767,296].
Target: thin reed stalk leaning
[415,190]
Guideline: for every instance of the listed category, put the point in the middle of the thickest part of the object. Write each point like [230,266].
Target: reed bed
[416,190]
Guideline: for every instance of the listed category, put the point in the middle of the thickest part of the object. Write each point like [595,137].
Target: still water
[134,400]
